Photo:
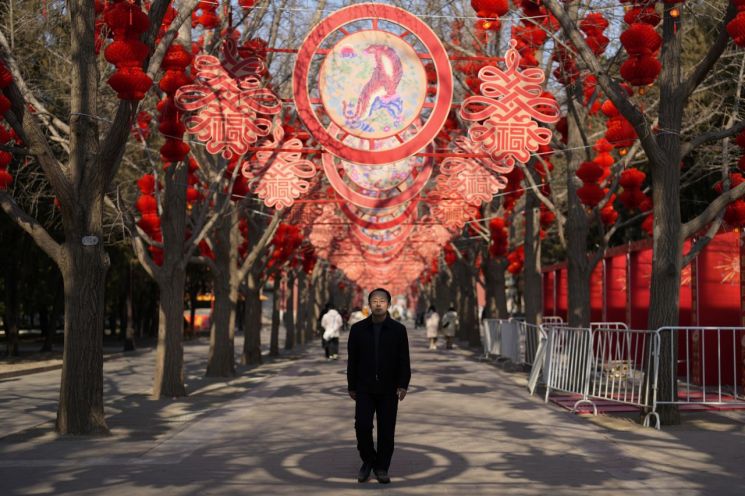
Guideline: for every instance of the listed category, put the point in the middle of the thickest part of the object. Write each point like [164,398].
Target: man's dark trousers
[384,406]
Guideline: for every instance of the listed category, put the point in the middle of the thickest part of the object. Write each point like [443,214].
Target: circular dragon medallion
[361,71]
[372,84]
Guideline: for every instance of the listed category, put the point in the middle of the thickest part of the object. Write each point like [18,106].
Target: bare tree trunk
[667,239]
[577,231]
[11,310]
[289,317]
[129,332]
[301,322]
[221,362]
[274,338]
[533,295]
[83,270]
[252,322]
[169,367]
[317,282]
[497,287]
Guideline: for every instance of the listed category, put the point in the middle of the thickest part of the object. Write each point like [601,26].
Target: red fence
[711,292]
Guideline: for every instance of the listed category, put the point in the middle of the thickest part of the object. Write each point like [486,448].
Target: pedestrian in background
[432,324]
[449,326]
[332,324]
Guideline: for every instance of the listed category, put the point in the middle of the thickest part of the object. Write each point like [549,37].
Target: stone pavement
[286,428]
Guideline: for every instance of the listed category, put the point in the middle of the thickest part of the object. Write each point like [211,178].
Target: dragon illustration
[385,78]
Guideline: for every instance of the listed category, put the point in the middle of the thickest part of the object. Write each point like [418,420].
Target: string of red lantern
[127,22]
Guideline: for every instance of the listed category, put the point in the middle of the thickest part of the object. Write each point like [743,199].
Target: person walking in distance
[432,324]
[450,326]
[332,324]
[378,375]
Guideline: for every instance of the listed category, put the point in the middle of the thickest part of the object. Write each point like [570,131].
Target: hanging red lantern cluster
[603,158]
[543,164]
[6,79]
[141,128]
[632,197]
[246,4]
[286,241]
[648,224]
[449,254]
[591,93]
[546,216]
[205,15]
[499,237]
[175,63]
[642,11]
[6,178]
[590,194]
[533,11]
[512,193]
[734,214]
[529,38]
[608,214]
[567,71]
[149,221]
[127,22]
[642,43]
[309,259]
[489,12]
[619,132]
[593,26]
[516,259]
[736,27]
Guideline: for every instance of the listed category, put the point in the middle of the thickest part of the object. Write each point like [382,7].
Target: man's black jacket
[393,369]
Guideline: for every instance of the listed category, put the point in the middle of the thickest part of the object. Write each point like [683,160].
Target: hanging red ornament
[736,27]
[6,179]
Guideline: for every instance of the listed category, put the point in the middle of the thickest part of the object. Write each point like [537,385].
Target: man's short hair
[379,290]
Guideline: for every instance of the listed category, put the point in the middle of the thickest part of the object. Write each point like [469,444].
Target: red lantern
[641,39]
[641,71]
[590,194]
[147,204]
[6,179]
[146,184]
[736,27]
[6,78]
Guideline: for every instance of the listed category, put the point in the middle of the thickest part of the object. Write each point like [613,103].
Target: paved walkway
[286,428]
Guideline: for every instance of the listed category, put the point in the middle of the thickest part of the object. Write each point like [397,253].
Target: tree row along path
[286,427]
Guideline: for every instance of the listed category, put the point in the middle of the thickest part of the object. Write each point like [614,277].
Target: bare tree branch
[32,227]
[709,214]
[711,57]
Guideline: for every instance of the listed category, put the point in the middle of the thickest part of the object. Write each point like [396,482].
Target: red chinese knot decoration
[287,176]
[506,112]
[226,108]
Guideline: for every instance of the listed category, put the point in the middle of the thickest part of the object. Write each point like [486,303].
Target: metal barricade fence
[608,325]
[619,371]
[552,320]
[708,367]
[528,337]
[568,361]
[491,336]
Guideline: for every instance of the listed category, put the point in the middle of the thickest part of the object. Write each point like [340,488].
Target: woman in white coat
[432,324]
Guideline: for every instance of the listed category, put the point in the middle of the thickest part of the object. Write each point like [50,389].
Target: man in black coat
[378,374]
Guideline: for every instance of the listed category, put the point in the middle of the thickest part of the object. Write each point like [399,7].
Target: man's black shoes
[364,474]
[382,476]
